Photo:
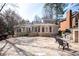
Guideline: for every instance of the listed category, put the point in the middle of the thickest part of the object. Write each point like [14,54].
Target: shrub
[23,34]
[33,34]
[67,31]
[60,33]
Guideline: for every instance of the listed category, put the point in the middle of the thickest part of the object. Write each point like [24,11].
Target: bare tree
[2,7]
[2,23]
[11,19]
[53,10]
[37,19]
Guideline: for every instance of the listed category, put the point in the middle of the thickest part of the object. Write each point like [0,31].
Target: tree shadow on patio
[72,52]
[1,49]
[21,42]
[3,54]
[69,51]
[20,51]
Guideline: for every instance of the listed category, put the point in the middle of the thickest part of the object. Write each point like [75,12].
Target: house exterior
[40,29]
[67,22]
[75,28]
[71,22]
[45,29]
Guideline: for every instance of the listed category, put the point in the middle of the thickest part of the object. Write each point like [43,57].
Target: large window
[42,29]
[18,30]
[50,29]
[29,29]
[38,28]
[76,22]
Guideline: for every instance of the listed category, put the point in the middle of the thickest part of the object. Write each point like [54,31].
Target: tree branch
[2,7]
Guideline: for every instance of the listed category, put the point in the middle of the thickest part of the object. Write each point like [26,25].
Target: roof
[76,13]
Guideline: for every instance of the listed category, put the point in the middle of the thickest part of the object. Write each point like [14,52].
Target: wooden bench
[62,42]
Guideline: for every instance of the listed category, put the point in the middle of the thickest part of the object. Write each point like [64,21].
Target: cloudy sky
[28,10]
[71,6]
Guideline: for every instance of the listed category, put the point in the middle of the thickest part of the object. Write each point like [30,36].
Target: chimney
[69,17]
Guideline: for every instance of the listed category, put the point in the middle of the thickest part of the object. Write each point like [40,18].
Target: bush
[67,31]
[33,34]
[60,33]
[23,34]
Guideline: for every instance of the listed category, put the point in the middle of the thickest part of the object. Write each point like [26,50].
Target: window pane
[42,29]
[18,30]
[50,29]
[38,28]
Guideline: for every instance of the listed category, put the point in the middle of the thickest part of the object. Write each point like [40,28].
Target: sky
[28,11]
[71,6]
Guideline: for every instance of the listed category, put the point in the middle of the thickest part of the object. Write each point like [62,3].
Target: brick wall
[67,23]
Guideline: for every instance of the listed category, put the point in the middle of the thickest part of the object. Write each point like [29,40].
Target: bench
[62,42]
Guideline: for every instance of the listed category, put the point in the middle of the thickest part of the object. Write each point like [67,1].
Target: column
[40,28]
[37,28]
[48,29]
[34,29]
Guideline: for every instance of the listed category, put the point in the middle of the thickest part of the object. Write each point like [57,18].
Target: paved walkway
[35,46]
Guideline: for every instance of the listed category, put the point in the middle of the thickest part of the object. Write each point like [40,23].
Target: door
[76,36]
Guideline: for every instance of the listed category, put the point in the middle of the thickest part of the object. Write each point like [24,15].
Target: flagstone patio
[35,46]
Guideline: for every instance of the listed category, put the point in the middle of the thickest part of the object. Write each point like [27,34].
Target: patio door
[76,36]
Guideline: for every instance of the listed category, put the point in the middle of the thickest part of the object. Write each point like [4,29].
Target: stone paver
[35,46]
